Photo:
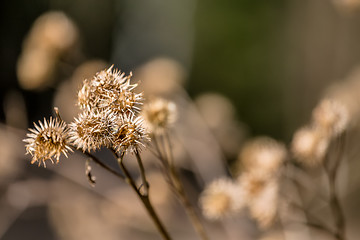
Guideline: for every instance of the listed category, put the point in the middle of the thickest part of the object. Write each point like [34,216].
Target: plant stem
[142,173]
[331,173]
[337,211]
[180,191]
[103,165]
[144,198]
[177,185]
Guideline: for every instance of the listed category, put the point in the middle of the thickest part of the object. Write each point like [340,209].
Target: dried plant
[265,168]
[109,119]
[115,117]
[47,141]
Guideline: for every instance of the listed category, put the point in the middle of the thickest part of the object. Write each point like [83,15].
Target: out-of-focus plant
[266,169]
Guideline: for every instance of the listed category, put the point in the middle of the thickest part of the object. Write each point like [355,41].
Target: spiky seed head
[309,145]
[221,198]
[109,90]
[331,116]
[92,130]
[47,141]
[129,133]
[159,114]
[262,154]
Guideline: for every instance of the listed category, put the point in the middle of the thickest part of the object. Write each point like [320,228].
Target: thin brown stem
[160,155]
[103,165]
[180,192]
[168,147]
[176,184]
[311,220]
[142,173]
[144,198]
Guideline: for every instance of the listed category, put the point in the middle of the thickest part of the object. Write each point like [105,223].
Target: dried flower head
[263,208]
[109,90]
[252,183]
[331,116]
[129,133]
[309,146]
[159,114]
[47,141]
[92,130]
[221,198]
[263,154]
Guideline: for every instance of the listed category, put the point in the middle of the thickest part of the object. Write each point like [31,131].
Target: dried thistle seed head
[264,207]
[263,155]
[129,134]
[47,141]
[159,114]
[309,146]
[221,198]
[85,97]
[252,183]
[92,130]
[109,90]
[121,101]
[331,116]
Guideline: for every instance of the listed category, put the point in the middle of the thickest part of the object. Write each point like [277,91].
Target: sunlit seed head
[221,198]
[331,116]
[92,130]
[120,102]
[109,90]
[84,95]
[129,134]
[309,146]
[159,114]
[47,141]
[263,155]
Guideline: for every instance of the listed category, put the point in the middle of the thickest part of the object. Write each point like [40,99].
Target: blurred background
[236,68]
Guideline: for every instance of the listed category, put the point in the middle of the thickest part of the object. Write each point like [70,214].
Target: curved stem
[193,216]
[166,157]
[144,198]
[142,173]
